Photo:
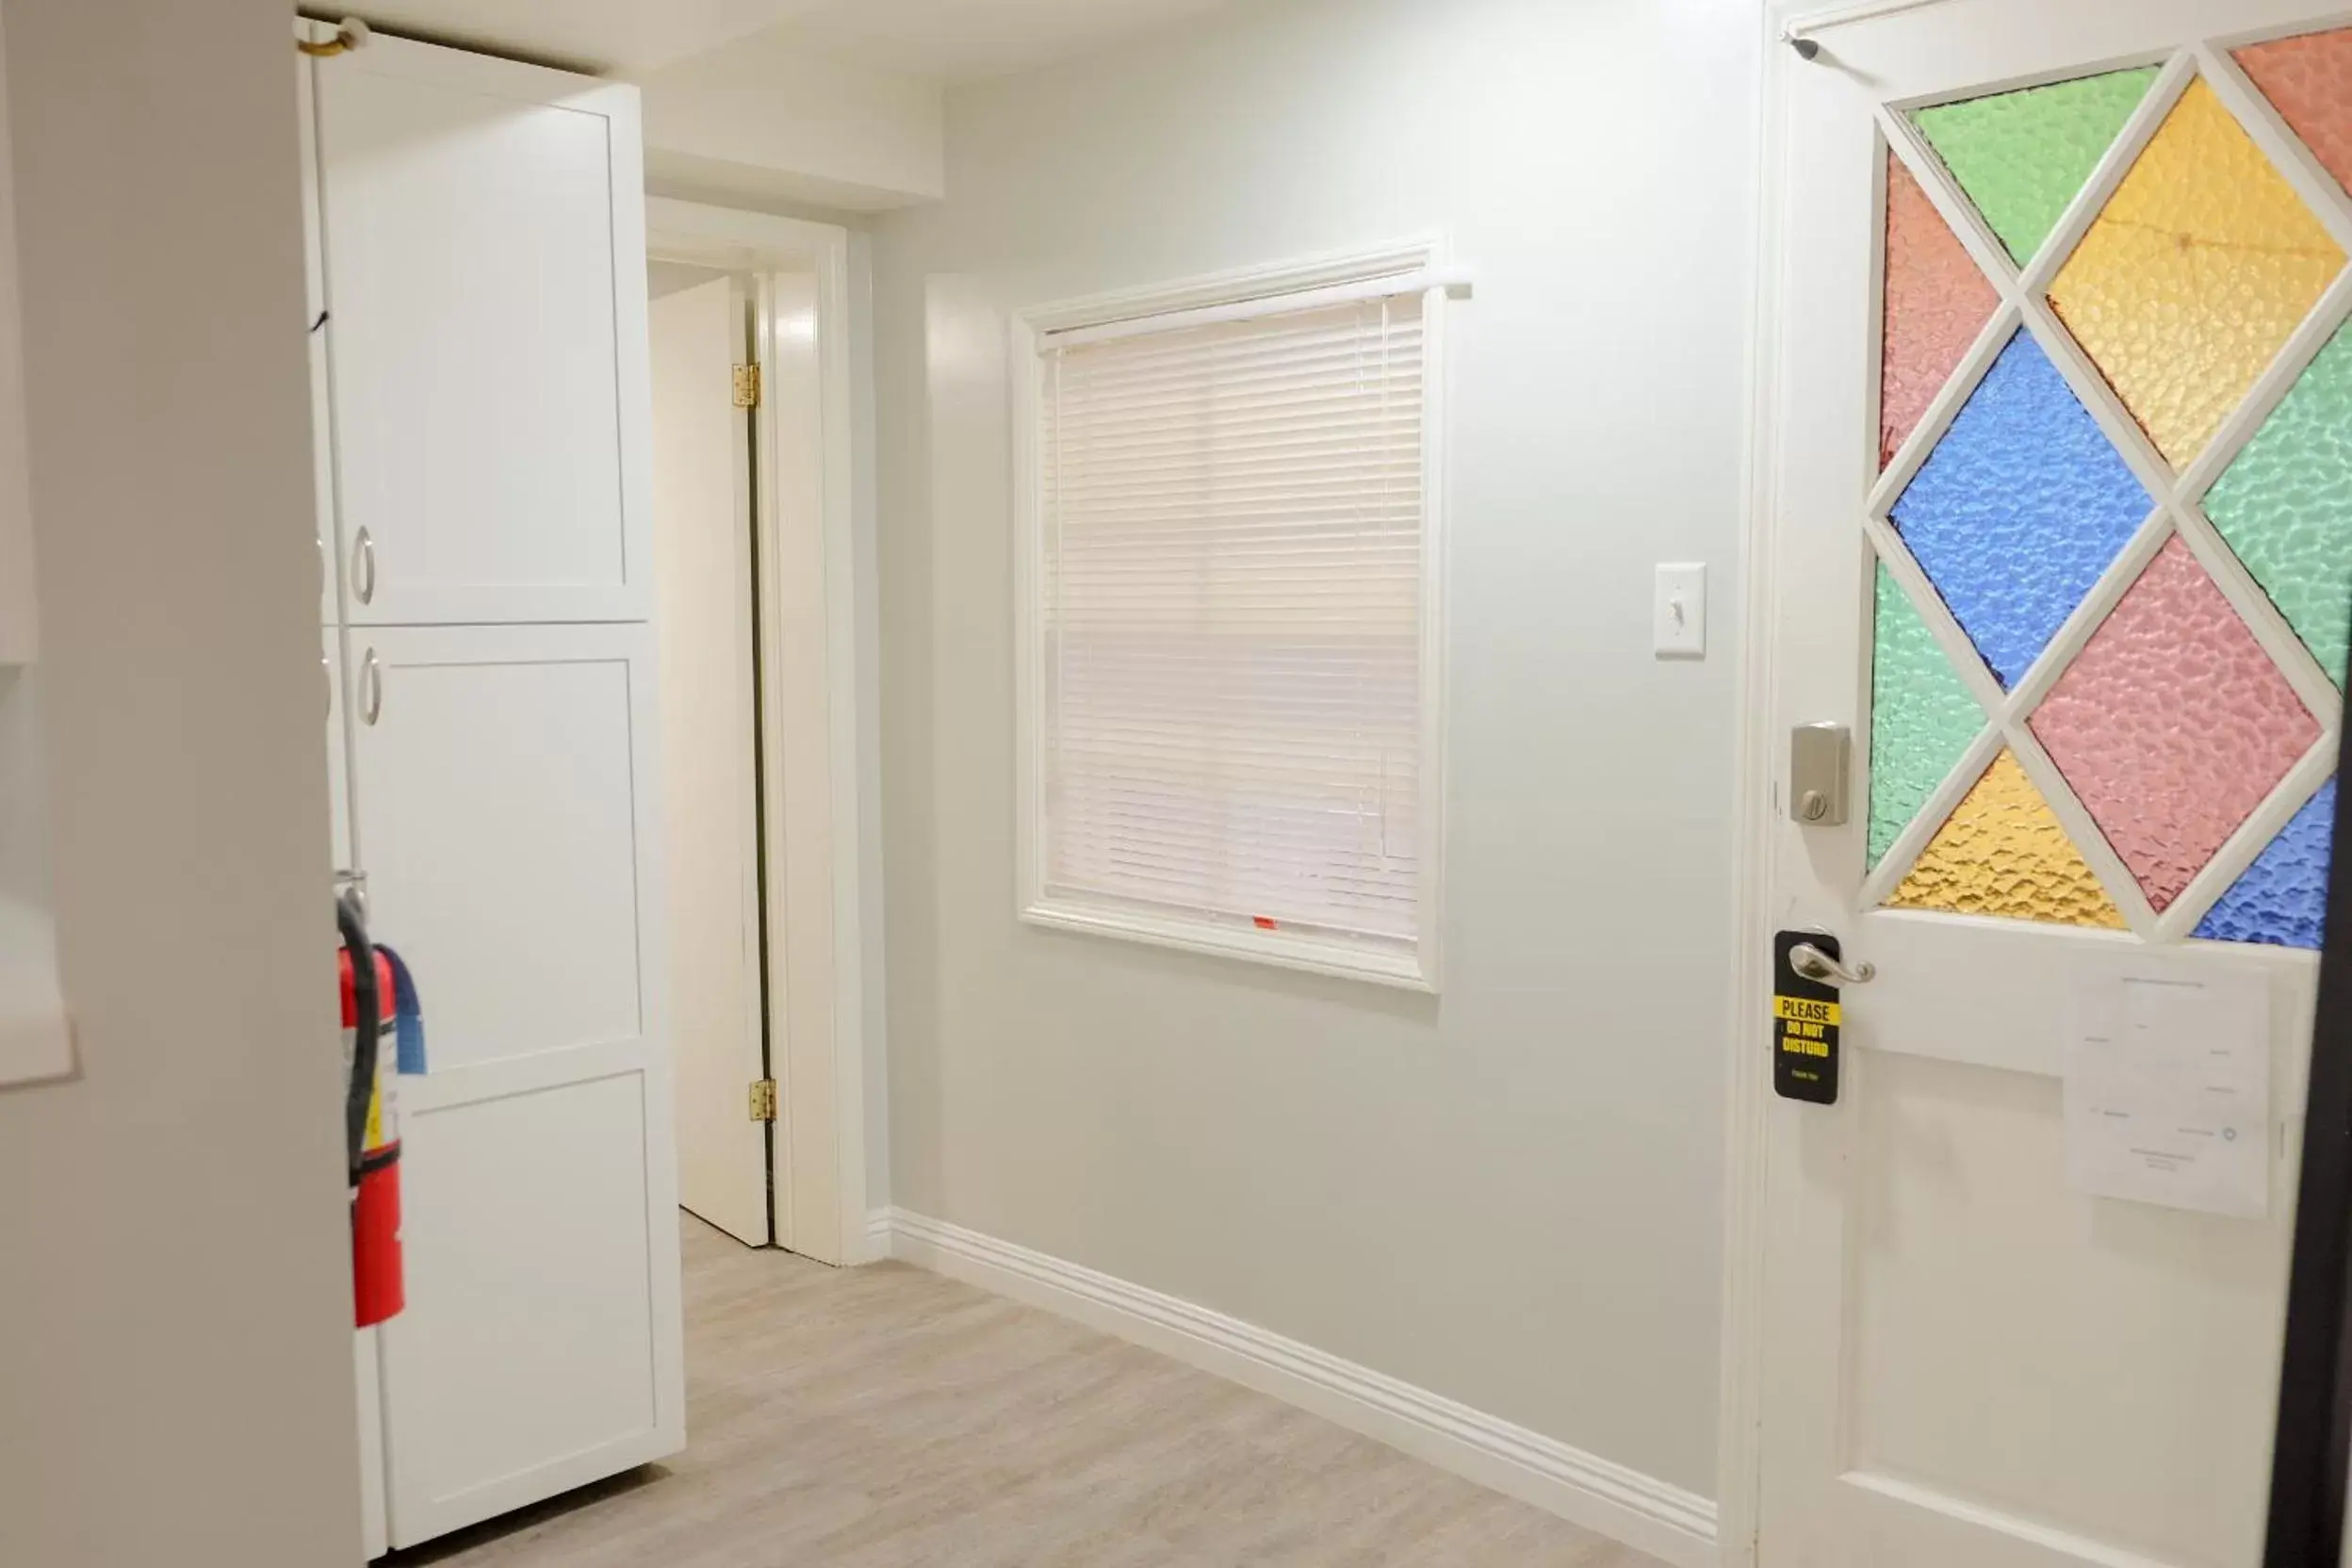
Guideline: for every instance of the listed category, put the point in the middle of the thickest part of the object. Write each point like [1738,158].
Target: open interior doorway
[748,319]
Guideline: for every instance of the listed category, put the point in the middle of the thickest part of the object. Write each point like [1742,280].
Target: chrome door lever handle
[1814,964]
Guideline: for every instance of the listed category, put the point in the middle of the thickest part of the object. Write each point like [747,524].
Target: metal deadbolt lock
[1821,759]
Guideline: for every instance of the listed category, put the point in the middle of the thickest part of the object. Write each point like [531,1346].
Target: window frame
[1270,290]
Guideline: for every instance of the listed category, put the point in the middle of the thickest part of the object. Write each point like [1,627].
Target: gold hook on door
[351,33]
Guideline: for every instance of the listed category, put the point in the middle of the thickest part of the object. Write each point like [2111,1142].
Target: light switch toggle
[1678,613]
[1820,763]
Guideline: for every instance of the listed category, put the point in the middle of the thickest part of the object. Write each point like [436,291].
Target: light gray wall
[176,1344]
[1509,1194]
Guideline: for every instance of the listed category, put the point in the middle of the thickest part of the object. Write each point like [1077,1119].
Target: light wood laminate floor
[884,1417]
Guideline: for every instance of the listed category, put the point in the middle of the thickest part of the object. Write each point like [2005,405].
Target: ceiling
[945,40]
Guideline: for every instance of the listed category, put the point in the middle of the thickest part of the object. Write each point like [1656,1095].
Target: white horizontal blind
[1230,614]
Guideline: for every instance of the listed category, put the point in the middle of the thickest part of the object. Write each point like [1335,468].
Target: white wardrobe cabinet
[481,236]
[480,386]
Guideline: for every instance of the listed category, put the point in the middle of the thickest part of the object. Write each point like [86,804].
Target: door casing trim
[819,1198]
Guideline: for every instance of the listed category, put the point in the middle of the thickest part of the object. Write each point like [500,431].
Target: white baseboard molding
[1641,1511]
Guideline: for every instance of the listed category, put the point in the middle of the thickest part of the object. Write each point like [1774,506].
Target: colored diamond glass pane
[2194,275]
[2282,898]
[2172,724]
[2018,509]
[1937,301]
[2285,505]
[2021,157]
[1921,716]
[2308,81]
[2004,852]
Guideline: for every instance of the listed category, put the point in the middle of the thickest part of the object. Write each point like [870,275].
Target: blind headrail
[1454,280]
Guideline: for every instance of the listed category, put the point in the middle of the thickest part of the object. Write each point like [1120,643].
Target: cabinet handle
[371,689]
[364,567]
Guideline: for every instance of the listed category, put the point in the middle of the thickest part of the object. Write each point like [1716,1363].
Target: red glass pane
[2173,723]
[1936,302]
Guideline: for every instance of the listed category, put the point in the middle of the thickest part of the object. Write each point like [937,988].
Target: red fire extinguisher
[372,1123]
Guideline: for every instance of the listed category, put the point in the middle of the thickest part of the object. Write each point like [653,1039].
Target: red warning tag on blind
[1264,922]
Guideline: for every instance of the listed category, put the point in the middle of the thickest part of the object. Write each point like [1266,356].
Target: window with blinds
[1228,628]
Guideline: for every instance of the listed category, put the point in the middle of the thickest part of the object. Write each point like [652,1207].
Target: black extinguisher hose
[367,1015]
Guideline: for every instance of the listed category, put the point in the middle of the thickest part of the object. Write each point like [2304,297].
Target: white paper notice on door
[2167,1070]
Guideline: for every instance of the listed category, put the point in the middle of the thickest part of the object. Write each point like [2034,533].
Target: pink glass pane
[2308,81]
[2173,723]
[1936,302]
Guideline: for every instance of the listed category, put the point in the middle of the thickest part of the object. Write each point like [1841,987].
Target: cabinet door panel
[334,674]
[367,1382]
[540,1349]
[502,810]
[483,250]
[314,317]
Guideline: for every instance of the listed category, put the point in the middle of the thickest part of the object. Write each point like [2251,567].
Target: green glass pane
[2285,505]
[1921,717]
[2022,155]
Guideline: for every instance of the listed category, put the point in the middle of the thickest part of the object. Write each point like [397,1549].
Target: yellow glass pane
[2004,852]
[2193,276]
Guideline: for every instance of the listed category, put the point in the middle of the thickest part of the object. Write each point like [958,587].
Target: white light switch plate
[1678,613]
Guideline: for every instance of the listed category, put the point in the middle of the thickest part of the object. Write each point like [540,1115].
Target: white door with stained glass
[2062,524]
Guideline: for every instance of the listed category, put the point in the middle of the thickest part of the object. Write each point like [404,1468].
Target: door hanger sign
[1806,1021]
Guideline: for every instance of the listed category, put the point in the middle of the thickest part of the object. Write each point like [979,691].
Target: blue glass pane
[2282,898]
[2019,508]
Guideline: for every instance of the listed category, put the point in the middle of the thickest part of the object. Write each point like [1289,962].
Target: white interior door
[2061,536]
[507,807]
[703,544]
[484,261]
[804,644]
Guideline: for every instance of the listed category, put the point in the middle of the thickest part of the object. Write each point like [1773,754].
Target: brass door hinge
[763,1099]
[747,386]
